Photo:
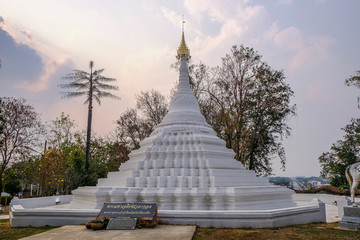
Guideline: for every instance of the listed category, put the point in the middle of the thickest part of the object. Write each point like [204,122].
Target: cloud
[26,34]
[172,16]
[234,17]
[1,19]
[19,62]
[50,68]
[286,2]
[306,51]
[48,60]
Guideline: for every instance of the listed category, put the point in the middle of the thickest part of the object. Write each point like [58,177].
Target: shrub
[2,200]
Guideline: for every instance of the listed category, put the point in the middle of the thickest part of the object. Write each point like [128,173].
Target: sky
[315,43]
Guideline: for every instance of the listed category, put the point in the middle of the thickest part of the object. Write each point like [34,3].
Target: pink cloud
[306,51]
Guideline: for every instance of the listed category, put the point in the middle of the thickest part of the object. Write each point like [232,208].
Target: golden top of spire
[183,49]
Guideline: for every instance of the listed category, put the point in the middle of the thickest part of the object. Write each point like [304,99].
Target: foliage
[153,105]
[342,187]
[12,184]
[49,171]
[61,168]
[21,134]
[282,181]
[92,85]
[61,132]
[342,153]
[248,105]
[5,199]
[109,154]
[135,124]
[354,81]
[75,172]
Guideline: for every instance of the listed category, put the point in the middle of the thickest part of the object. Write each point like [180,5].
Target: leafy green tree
[110,153]
[21,134]
[75,174]
[92,85]
[24,172]
[49,171]
[342,154]
[12,184]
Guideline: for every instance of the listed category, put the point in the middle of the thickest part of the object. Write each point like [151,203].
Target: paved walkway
[80,232]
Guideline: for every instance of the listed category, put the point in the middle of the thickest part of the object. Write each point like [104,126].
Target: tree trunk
[88,132]
[88,137]
[1,183]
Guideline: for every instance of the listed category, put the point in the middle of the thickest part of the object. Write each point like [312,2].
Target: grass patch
[318,231]
[9,233]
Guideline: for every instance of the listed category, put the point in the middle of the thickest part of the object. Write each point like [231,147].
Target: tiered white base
[22,215]
[213,198]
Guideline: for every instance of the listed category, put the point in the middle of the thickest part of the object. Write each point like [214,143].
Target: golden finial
[183,49]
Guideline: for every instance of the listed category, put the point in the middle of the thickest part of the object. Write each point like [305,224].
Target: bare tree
[21,133]
[92,85]
[153,105]
[135,124]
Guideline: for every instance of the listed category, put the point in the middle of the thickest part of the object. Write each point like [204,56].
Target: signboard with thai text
[132,210]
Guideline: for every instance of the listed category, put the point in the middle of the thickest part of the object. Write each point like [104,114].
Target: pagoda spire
[183,49]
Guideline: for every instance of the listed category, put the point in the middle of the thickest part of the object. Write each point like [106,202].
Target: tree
[50,170]
[21,134]
[109,153]
[12,184]
[153,105]
[342,154]
[354,81]
[248,105]
[93,86]
[135,124]
[61,131]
